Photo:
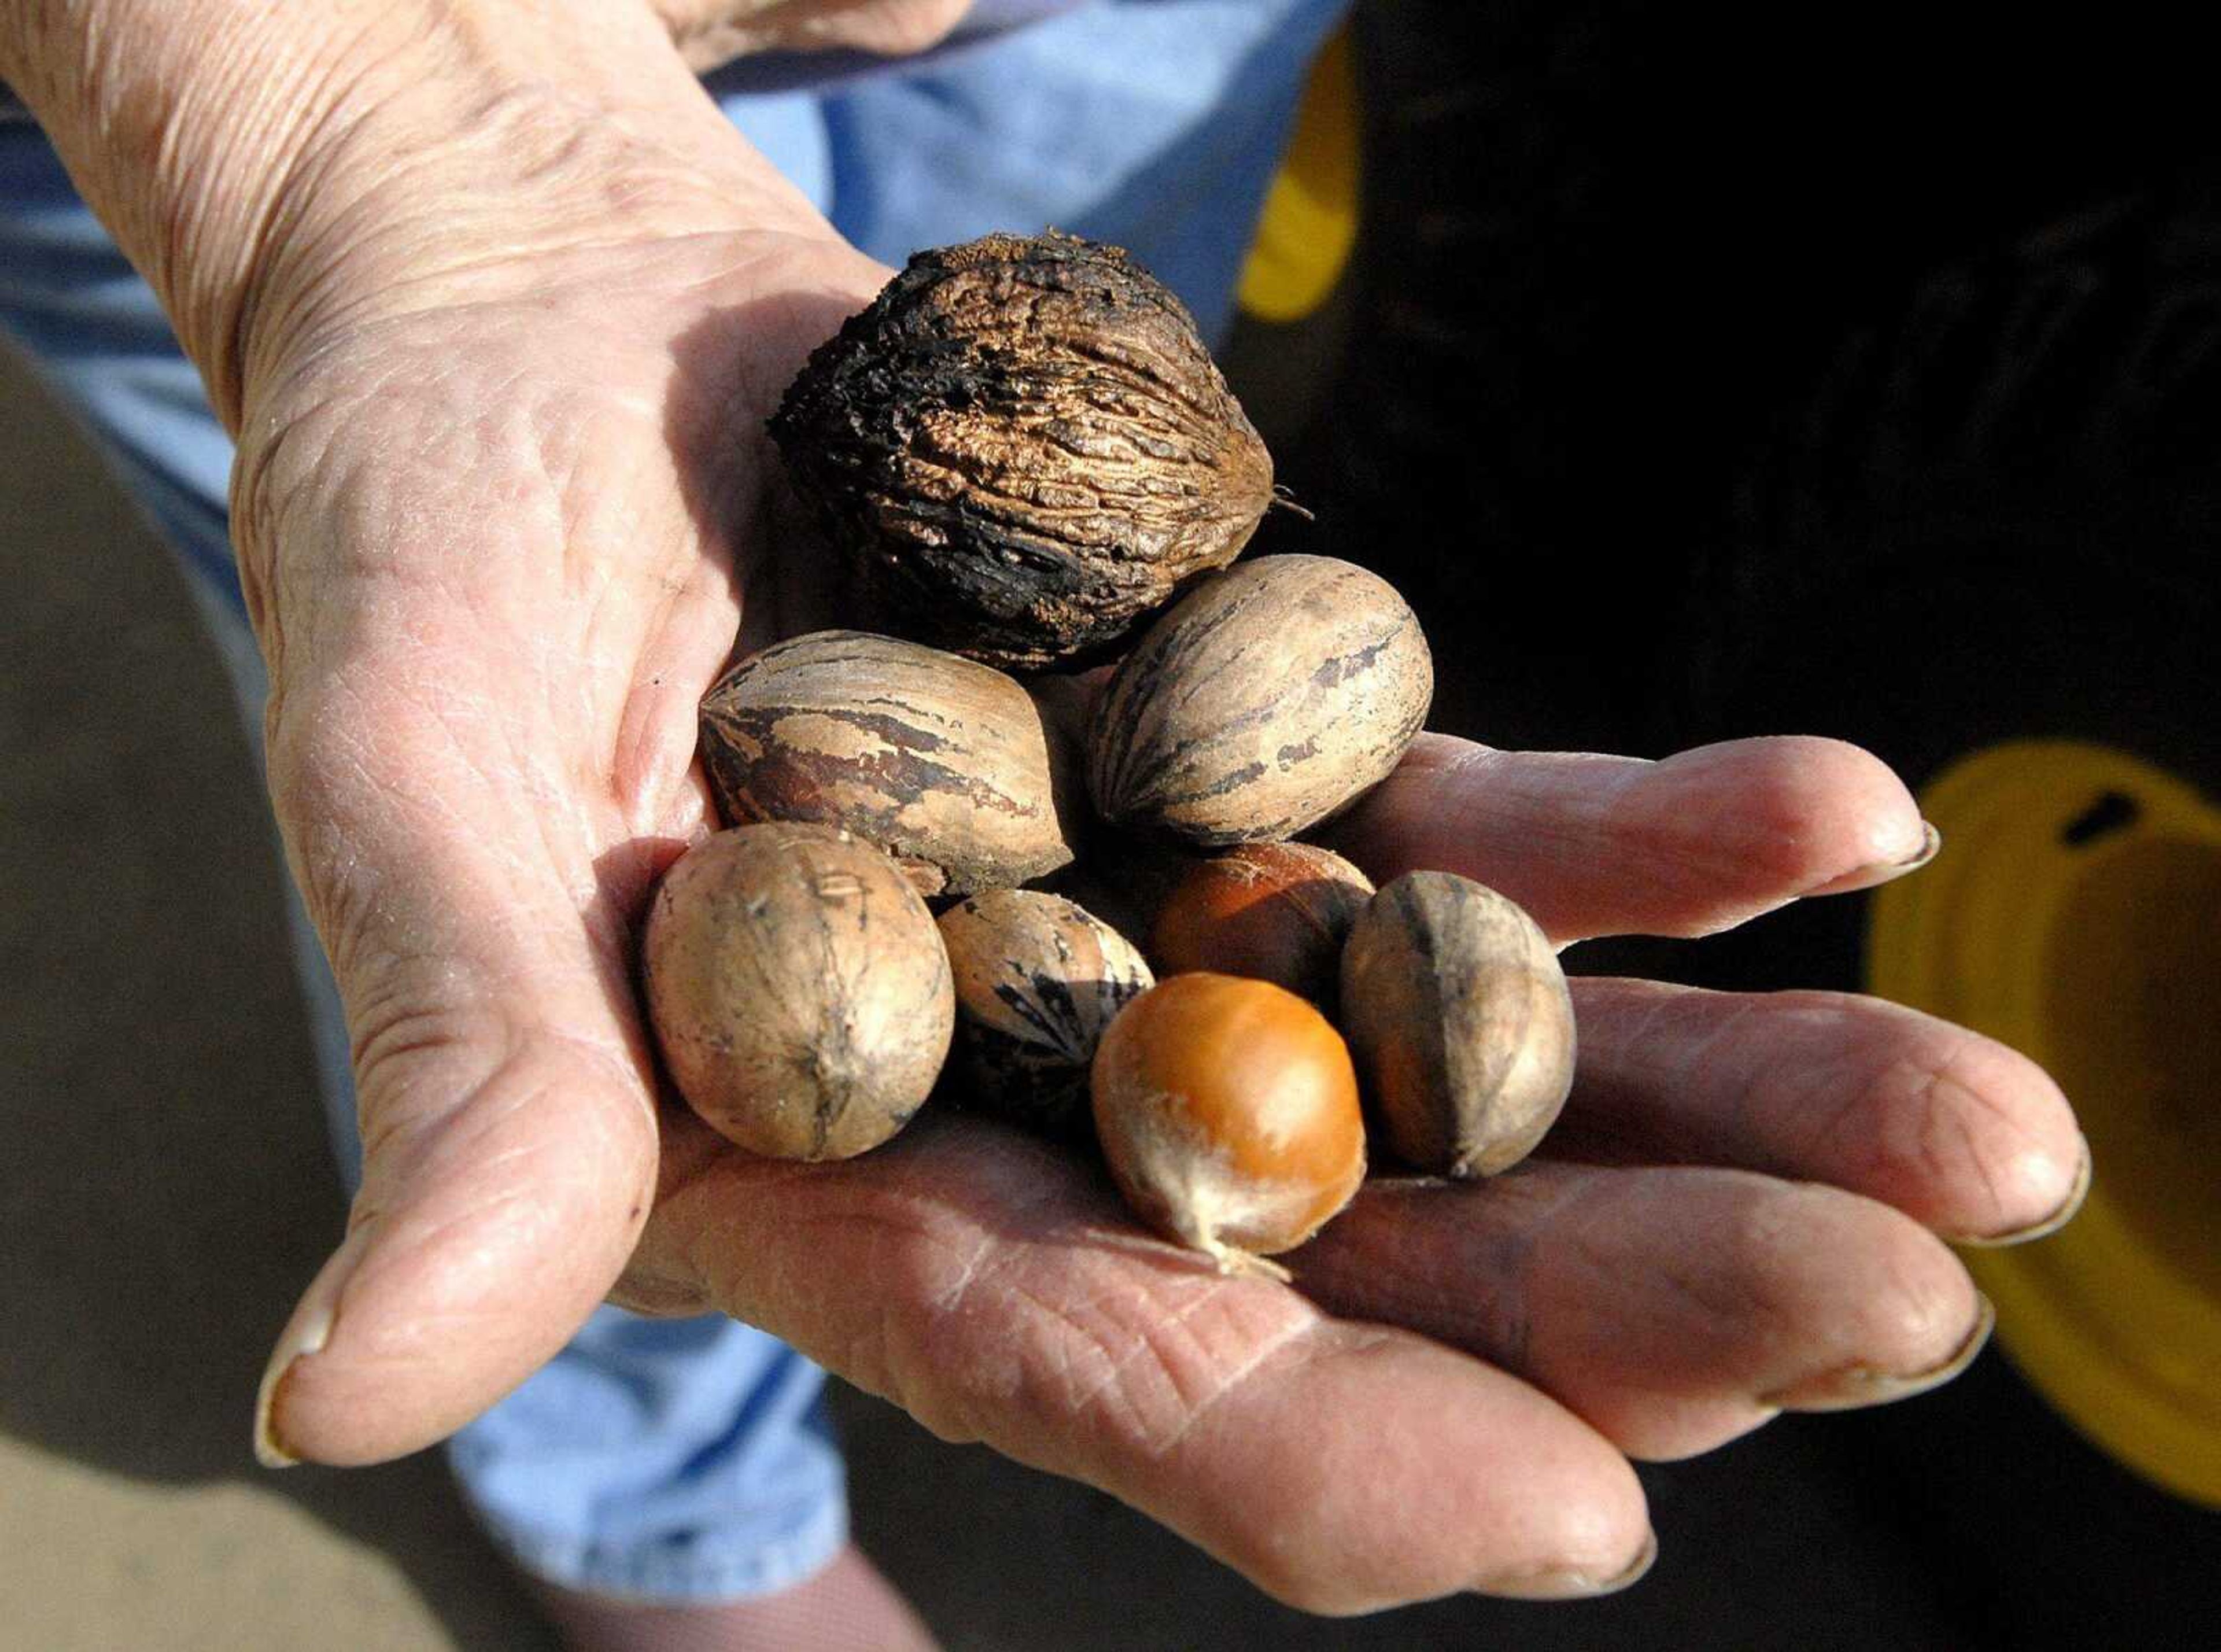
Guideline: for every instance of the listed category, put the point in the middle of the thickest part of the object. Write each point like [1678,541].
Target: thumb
[477,925]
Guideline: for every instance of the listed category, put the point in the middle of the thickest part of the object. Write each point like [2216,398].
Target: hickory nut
[1458,1015]
[942,762]
[1263,701]
[1037,980]
[1022,447]
[798,990]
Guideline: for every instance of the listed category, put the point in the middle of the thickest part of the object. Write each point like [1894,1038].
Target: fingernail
[2051,1224]
[1884,871]
[1931,842]
[1569,1584]
[1857,1385]
[305,1333]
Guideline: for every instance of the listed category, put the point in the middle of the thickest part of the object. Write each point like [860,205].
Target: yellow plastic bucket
[2075,915]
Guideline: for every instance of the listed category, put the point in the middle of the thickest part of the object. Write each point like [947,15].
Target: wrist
[270,167]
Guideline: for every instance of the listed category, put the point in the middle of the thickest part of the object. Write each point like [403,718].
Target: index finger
[1689,846]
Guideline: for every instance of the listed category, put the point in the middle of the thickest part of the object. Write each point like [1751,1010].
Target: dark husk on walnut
[1023,447]
[1038,981]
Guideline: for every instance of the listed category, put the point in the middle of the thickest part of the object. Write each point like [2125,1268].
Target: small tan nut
[1037,980]
[942,762]
[1276,912]
[1458,1014]
[1265,700]
[799,989]
[1227,1112]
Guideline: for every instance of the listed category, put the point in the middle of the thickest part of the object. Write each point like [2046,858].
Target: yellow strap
[1309,224]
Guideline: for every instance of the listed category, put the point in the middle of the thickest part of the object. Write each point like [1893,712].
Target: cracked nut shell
[1457,1013]
[942,762]
[798,990]
[1038,979]
[1266,700]
[1022,448]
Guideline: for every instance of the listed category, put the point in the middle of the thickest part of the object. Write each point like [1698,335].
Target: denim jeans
[692,1459]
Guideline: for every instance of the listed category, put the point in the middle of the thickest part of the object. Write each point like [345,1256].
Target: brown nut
[1227,1110]
[1264,701]
[942,762]
[1022,448]
[798,990]
[1037,980]
[1458,1014]
[1276,912]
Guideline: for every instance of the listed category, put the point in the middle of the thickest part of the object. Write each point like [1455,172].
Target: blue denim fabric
[1155,124]
[692,1459]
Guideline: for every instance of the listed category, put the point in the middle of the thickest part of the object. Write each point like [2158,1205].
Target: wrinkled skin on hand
[499,517]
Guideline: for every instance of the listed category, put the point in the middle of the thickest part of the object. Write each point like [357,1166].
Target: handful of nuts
[1029,461]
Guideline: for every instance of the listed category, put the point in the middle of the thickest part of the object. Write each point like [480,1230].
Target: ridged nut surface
[1263,701]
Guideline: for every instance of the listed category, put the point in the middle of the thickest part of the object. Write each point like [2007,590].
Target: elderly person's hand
[498,313]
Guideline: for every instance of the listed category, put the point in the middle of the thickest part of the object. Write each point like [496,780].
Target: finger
[505,1093]
[992,1288]
[1952,1128]
[1673,1309]
[1691,846]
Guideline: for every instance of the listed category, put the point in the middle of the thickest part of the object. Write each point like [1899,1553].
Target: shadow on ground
[169,1188]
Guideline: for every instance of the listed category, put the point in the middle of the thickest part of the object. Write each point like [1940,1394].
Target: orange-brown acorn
[1227,1112]
[1276,912]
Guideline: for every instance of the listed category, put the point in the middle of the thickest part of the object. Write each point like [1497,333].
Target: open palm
[498,532]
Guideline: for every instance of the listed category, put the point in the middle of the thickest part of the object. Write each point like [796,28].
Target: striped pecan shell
[944,763]
[1264,701]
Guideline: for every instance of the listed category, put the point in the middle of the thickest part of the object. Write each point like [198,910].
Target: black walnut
[1022,448]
